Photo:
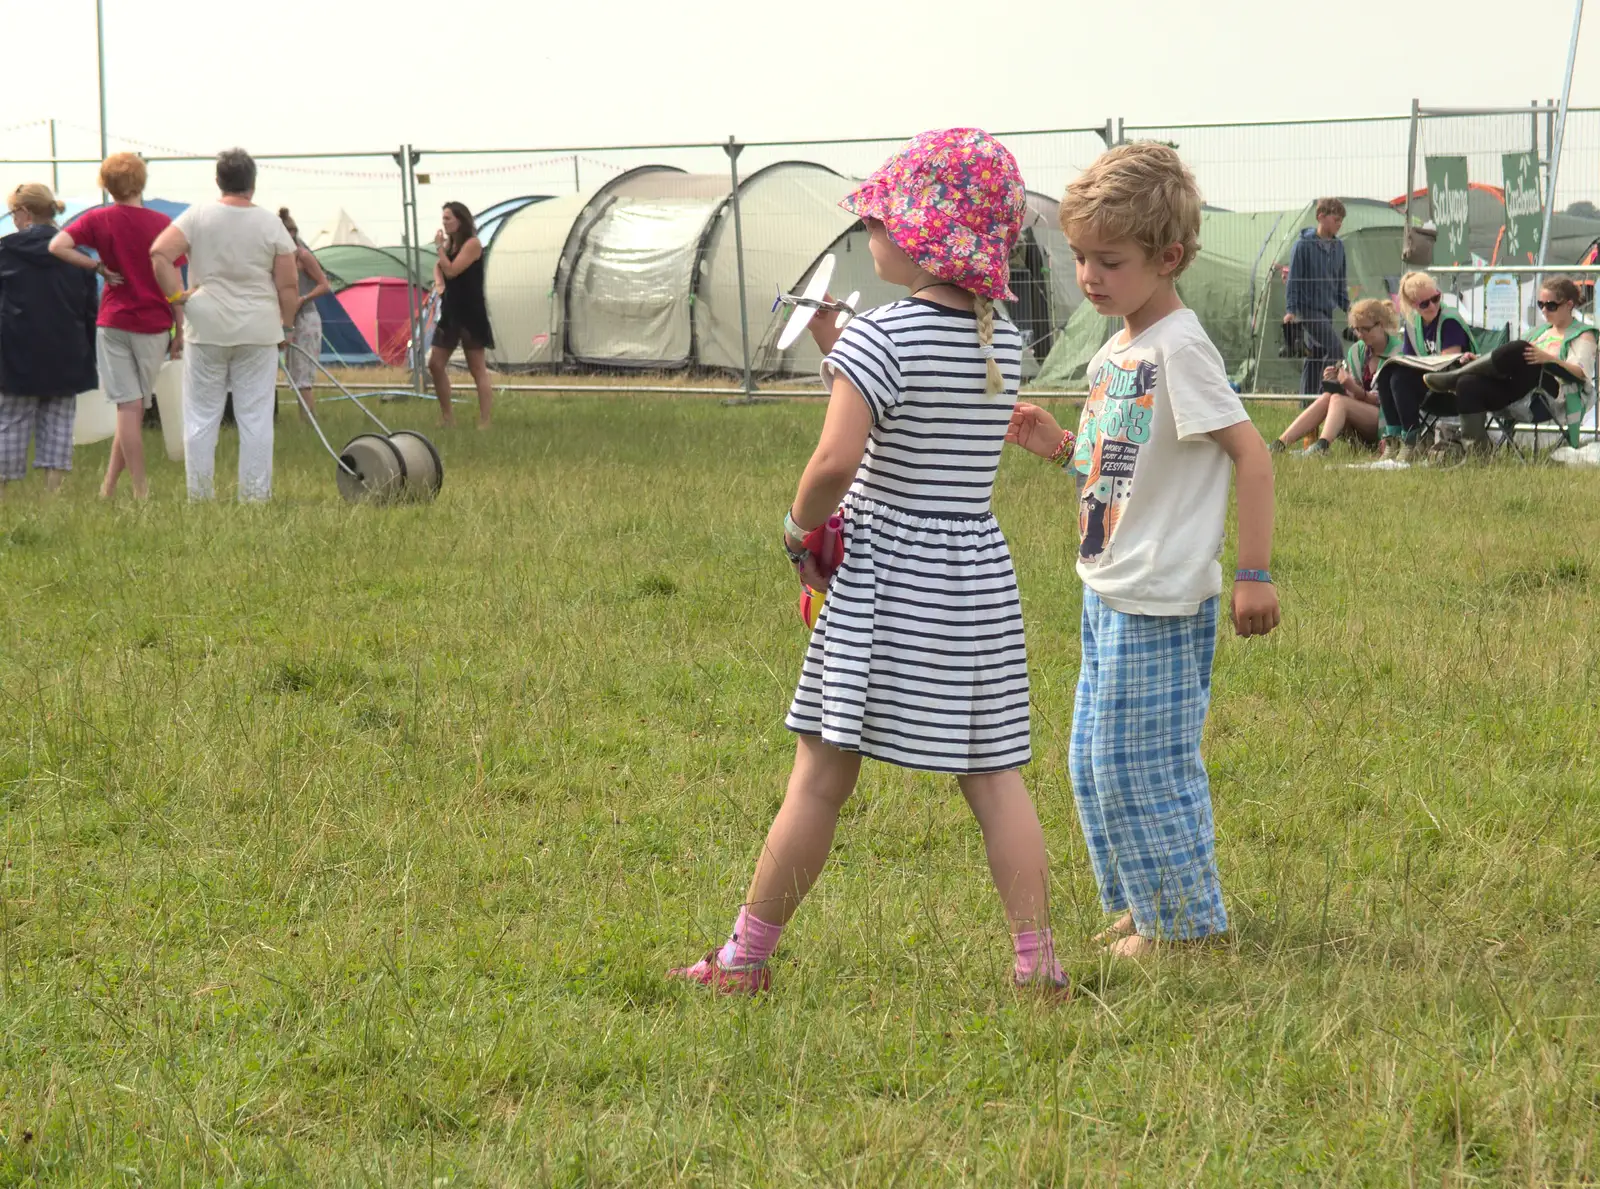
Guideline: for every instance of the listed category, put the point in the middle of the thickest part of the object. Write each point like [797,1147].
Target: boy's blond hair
[1378,310]
[1141,191]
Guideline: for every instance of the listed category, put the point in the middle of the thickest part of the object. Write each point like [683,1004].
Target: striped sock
[752,943]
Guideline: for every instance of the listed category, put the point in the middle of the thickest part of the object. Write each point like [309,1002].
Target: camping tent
[1236,285]
[380,309]
[642,271]
[1570,235]
[346,264]
[342,230]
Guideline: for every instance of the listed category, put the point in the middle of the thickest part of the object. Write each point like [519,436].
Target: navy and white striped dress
[918,657]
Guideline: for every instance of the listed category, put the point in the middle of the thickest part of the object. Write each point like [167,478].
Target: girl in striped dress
[917,658]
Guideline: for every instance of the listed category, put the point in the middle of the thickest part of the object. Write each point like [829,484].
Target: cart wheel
[424,471]
[371,470]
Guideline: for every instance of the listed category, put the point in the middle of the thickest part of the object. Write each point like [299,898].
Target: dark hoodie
[47,316]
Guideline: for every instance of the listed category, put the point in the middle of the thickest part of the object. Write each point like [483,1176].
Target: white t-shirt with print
[234,302]
[1155,495]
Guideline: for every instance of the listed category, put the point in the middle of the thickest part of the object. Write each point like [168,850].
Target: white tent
[642,271]
[342,230]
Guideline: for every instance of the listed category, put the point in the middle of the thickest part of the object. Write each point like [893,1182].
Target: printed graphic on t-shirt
[1117,419]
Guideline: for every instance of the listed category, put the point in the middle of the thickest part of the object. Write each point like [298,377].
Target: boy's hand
[1255,608]
[1034,430]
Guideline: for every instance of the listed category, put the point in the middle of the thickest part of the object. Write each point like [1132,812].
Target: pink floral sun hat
[953,200]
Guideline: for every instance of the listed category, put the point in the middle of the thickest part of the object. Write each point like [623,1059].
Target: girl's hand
[438,239]
[1255,608]
[1034,430]
[825,334]
[1534,355]
[810,574]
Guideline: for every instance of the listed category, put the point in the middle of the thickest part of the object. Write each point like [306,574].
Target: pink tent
[380,307]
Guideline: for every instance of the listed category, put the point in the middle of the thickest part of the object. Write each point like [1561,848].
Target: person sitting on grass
[1349,400]
[1430,330]
[917,658]
[1557,364]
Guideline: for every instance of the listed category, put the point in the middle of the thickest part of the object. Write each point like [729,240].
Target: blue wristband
[1253,576]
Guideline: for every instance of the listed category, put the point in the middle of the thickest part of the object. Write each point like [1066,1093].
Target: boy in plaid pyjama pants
[1162,434]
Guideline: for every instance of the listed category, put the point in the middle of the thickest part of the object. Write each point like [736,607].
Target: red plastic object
[826,544]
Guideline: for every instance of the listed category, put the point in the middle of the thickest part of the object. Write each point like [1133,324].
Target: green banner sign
[1447,199]
[1524,208]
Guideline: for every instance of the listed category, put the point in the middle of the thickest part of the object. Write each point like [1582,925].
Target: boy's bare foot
[1118,929]
[483,425]
[1132,946]
[1137,946]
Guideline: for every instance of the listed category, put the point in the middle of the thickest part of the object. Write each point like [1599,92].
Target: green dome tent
[1236,286]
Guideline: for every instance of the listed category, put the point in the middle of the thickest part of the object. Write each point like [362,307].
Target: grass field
[347,845]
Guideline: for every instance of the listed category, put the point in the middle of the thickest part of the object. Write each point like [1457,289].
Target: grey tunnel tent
[641,272]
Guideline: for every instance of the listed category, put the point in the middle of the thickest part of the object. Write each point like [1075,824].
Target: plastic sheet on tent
[630,293]
[380,308]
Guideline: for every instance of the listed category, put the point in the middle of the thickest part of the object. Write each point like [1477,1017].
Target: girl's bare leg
[1014,842]
[802,834]
[1308,421]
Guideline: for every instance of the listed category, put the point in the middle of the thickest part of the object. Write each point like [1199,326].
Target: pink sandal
[726,980]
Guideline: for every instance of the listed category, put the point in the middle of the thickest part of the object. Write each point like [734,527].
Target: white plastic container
[169,399]
[95,420]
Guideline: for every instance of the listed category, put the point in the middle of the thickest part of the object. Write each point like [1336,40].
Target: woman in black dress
[463,316]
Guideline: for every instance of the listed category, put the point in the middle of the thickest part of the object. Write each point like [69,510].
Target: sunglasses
[1363,329]
[1429,301]
[1551,305]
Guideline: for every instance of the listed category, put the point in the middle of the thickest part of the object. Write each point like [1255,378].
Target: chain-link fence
[630,262]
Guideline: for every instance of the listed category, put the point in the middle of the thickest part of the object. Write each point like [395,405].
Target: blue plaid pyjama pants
[1143,797]
[47,420]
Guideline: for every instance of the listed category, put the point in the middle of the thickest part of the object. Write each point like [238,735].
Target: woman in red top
[135,324]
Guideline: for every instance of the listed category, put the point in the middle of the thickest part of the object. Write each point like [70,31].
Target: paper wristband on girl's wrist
[791,528]
[1253,576]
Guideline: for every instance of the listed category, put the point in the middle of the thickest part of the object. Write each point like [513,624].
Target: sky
[343,75]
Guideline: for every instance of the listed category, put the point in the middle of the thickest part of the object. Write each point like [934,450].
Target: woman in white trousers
[238,310]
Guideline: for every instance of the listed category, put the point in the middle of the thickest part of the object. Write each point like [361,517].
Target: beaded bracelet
[1068,441]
